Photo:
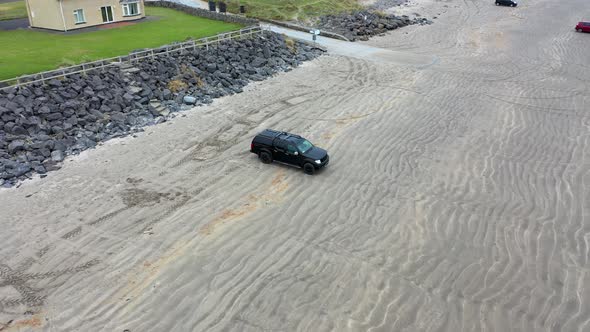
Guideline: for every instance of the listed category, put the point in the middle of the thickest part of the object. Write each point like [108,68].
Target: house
[68,15]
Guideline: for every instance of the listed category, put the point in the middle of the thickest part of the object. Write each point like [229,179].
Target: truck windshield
[304,146]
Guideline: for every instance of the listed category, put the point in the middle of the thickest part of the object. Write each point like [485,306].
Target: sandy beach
[456,198]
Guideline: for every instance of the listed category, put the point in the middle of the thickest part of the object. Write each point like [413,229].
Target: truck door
[293,156]
[280,150]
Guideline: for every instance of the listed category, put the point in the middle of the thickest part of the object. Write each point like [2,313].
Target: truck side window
[291,149]
[280,144]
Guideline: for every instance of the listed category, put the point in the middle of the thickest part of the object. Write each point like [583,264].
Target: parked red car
[583,27]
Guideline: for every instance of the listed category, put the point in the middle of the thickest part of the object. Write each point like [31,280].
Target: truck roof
[269,133]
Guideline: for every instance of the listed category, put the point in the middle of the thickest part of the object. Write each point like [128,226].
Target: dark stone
[57,156]
[45,152]
[53,116]
[44,110]
[88,92]
[18,130]
[40,169]
[56,97]
[153,110]
[16,145]
[103,96]
[54,83]
[57,129]
[128,97]
[11,106]
[65,94]
[166,94]
[20,170]
[147,92]
[51,165]
[258,62]
[105,109]
[144,76]
[8,118]
[266,52]
[8,127]
[189,100]
[118,117]
[116,108]
[211,67]
[72,104]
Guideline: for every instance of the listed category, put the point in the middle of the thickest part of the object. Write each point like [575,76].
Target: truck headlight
[318,162]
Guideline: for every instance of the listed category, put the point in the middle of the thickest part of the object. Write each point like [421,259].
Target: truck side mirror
[296,153]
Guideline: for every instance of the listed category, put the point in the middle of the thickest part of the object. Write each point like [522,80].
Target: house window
[131,9]
[79,16]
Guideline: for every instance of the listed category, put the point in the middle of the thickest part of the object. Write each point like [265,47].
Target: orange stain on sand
[278,186]
[34,321]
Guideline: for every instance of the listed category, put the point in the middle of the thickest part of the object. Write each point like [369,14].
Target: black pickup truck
[271,145]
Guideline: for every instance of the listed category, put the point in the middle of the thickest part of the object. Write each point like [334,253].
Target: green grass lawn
[292,9]
[12,10]
[26,52]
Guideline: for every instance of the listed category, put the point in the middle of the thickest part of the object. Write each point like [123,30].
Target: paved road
[456,198]
[361,51]
[19,23]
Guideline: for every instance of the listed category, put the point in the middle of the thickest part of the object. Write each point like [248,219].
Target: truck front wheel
[308,169]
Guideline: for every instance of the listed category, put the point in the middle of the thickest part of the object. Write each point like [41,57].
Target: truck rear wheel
[308,169]
[266,157]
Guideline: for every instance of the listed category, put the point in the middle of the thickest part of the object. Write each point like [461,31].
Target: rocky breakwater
[40,124]
[362,25]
